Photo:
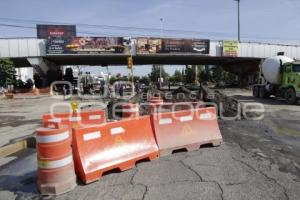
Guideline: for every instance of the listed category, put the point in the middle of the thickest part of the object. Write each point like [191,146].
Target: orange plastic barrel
[56,174]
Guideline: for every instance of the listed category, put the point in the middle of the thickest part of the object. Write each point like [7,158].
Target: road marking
[52,138]
[91,136]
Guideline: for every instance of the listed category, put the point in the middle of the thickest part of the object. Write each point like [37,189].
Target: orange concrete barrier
[130,110]
[187,129]
[177,106]
[75,119]
[56,172]
[115,145]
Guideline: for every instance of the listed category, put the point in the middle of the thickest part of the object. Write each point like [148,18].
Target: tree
[155,73]
[112,80]
[189,75]
[145,80]
[218,73]
[177,77]
[7,72]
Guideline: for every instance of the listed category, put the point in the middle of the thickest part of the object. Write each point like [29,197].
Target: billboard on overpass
[230,48]
[44,31]
[58,36]
[168,45]
[91,45]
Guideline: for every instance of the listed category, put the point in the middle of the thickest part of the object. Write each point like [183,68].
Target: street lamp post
[160,66]
[239,27]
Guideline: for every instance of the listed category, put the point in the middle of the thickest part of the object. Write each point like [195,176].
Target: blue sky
[261,20]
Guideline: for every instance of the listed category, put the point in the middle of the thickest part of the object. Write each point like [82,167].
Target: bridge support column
[48,71]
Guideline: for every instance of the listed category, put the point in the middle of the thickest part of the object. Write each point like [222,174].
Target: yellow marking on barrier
[186,130]
[74,106]
[118,141]
[43,164]
[75,125]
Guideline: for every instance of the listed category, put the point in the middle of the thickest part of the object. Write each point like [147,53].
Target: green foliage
[145,80]
[217,74]
[7,72]
[124,78]
[177,77]
[190,75]
[112,80]
[155,73]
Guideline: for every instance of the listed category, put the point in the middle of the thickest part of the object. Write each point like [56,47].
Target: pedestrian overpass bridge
[26,52]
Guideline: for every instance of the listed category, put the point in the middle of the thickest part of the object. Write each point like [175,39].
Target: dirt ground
[259,160]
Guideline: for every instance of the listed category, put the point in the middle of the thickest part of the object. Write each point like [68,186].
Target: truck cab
[290,79]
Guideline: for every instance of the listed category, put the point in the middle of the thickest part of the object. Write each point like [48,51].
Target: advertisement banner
[58,36]
[165,45]
[46,31]
[90,45]
[230,48]
[149,45]
[57,45]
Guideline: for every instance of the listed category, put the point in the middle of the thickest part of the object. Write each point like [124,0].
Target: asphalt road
[259,160]
[239,169]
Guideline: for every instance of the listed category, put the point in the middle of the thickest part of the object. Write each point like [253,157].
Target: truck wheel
[262,92]
[290,96]
[255,91]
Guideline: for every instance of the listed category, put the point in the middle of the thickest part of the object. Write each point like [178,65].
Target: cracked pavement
[254,163]
[225,172]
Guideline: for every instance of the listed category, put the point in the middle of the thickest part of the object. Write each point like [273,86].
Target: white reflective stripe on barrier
[130,110]
[165,121]
[58,120]
[55,164]
[51,126]
[186,118]
[206,116]
[93,117]
[115,131]
[91,136]
[52,138]
[74,119]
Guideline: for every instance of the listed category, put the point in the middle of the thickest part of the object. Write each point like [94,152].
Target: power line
[122,34]
[124,28]
[87,32]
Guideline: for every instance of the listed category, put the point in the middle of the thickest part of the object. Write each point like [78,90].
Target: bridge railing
[23,47]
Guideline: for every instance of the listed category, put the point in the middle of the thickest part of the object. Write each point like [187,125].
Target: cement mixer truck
[280,77]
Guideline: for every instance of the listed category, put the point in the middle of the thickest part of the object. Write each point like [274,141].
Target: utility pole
[239,25]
